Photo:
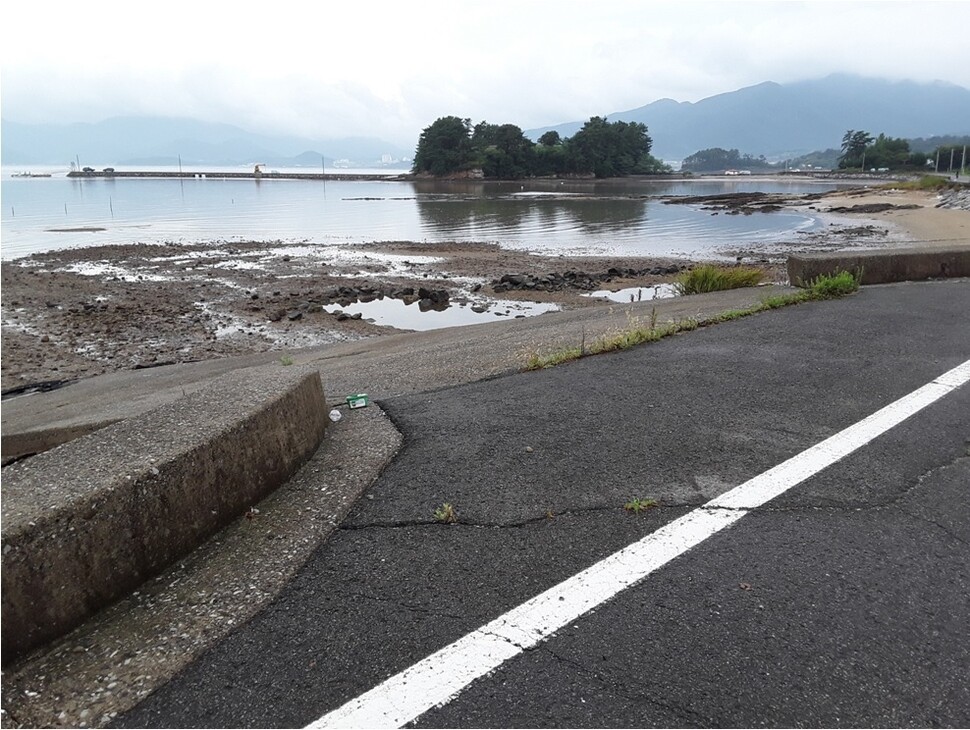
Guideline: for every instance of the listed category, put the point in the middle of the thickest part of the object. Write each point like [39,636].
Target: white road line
[440,677]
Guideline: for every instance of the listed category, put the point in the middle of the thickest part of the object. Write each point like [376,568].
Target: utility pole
[952,150]
[936,168]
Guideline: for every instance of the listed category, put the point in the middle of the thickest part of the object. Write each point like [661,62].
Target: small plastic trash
[358,400]
[335,415]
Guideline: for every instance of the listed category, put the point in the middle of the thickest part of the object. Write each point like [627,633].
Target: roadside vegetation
[638,332]
[924,182]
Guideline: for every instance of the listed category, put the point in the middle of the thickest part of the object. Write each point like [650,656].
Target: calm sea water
[550,217]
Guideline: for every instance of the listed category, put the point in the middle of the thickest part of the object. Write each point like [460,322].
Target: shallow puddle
[395,313]
[637,293]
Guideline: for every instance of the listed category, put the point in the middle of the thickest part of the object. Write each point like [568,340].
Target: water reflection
[637,293]
[550,216]
[502,217]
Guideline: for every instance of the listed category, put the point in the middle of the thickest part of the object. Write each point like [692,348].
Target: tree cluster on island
[452,146]
[717,159]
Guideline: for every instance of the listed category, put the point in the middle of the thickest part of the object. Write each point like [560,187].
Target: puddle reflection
[637,293]
[395,313]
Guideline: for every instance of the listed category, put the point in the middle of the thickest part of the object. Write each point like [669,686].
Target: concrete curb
[90,520]
[28,443]
[884,266]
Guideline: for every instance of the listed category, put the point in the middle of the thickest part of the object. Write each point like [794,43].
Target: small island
[452,148]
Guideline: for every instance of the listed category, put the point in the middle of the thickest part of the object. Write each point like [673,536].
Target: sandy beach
[81,312]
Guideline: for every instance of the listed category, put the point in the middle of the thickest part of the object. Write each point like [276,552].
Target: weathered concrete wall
[883,266]
[90,520]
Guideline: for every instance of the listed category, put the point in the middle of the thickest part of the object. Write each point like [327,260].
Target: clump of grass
[535,361]
[708,278]
[446,514]
[832,286]
[286,360]
[637,505]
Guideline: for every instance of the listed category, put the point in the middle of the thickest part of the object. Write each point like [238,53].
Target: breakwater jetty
[270,175]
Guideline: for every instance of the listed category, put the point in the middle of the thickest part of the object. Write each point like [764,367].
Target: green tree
[887,152]
[502,151]
[854,148]
[550,138]
[444,147]
[610,149]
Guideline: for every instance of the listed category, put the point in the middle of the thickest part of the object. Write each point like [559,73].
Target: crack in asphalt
[847,507]
[621,690]
[918,483]
[943,528]
[526,522]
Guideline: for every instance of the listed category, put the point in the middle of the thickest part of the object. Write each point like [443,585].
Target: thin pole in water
[111,207]
[65,208]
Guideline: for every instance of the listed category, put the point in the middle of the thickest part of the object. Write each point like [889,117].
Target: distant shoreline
[217,175]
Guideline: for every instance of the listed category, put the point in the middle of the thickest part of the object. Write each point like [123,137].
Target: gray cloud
[383,69]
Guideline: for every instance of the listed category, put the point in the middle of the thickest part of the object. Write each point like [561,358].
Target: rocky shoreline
[76,313]
[81,312]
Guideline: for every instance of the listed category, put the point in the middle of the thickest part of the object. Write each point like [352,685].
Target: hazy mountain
[159,140]
[782,120]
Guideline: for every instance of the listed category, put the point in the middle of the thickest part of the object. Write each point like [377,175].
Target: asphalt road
[844,602]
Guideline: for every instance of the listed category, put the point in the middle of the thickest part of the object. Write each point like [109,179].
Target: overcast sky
[388,69]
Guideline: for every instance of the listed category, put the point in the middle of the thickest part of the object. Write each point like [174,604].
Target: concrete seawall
[884,266]
[90,520]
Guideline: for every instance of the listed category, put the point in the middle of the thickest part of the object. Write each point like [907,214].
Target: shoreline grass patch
[708,278]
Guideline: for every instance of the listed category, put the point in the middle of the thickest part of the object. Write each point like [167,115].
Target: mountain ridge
[779,120]
[772,119]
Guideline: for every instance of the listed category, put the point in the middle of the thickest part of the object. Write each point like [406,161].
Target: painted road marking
[441,676]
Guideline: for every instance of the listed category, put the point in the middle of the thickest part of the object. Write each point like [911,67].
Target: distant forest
[880,152]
